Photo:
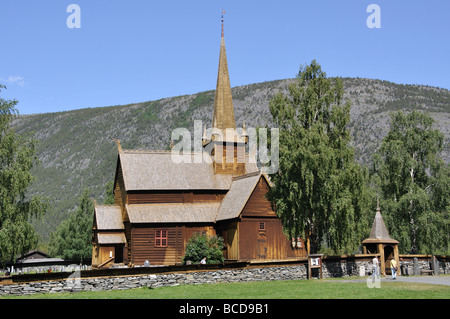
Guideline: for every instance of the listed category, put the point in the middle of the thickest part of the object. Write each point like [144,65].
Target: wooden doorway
[388,255]
[262,245]
[118,254]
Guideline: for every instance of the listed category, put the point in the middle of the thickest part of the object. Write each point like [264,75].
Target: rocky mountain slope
[76,150]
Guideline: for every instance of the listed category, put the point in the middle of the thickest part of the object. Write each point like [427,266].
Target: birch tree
[414,183]
[17,158]
[318,191]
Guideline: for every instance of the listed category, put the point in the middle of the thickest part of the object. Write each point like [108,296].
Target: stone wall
[414,263]
[75,284]
[337,266]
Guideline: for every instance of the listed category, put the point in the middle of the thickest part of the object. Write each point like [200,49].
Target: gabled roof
[173,213]
[108,217]
[238,195]
[151,170]
[159,170]
[33,254]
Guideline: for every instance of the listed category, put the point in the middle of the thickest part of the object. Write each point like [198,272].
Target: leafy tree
[319,189]
[73,238]
[17,157]
[201,245]
[109,195]
[414,183]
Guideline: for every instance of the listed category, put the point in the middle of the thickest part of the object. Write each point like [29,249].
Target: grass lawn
[293,289]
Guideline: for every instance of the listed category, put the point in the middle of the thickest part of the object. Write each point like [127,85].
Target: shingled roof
[108,217]
[173,212]
[157,170]
[379,233]
[111,238]
[150,170]
[238,195]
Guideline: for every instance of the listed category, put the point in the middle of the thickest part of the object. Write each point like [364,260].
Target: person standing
[375,268]
[393,268]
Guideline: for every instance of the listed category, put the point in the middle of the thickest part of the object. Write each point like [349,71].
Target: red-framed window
[262,226]
[160,238]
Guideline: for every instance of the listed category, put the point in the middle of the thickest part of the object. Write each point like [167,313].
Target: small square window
[262,226]
[161,238]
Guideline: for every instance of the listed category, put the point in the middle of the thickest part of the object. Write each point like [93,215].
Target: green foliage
[201,245]
[17,157]
[319,190]
[203,98]
[414,183]
[109,194]
[72,239]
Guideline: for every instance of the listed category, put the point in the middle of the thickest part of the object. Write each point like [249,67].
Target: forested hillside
[76,151]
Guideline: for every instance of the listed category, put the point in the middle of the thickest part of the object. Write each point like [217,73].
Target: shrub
[201,245]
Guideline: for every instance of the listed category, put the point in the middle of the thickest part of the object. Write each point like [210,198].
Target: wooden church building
[160,204]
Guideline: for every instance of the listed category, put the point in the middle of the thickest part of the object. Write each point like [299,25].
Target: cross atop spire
[223,12]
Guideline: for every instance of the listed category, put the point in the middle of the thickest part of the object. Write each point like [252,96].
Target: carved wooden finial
[119,147]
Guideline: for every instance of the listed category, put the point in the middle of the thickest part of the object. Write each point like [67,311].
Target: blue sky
[142,50]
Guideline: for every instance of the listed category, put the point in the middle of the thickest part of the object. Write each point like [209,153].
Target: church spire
[223,104]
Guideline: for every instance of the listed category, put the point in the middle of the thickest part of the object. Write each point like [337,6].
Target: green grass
[302,289]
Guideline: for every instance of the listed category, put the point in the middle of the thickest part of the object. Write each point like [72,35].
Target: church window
[161,238]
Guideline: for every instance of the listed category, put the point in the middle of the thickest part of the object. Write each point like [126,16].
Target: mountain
[76,151]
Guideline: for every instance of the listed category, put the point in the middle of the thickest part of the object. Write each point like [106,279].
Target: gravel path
[426,279]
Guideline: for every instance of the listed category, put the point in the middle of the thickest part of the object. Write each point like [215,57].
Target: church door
[262,245]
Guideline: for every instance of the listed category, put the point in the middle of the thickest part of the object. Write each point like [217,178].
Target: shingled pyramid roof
[223,104]
[379,233]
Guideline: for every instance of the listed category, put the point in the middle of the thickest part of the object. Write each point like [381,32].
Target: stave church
[160,204]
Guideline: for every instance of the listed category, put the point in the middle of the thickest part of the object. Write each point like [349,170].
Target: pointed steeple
[223,117]
[379,232]
[225,144]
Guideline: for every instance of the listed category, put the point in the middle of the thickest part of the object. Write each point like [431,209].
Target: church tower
[226,145]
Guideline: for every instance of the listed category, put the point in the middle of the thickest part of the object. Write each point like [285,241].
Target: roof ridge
[106,205]
[147,151]
[162,152]
[174,204]
[255,173]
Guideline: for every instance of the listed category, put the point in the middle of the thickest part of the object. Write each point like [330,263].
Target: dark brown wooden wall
[270,243]
[258,205]
[148,197]
[143,242]
[143,245]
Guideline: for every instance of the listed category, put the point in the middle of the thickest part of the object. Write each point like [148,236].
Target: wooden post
[397,260]
[382,261]
[308,246]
